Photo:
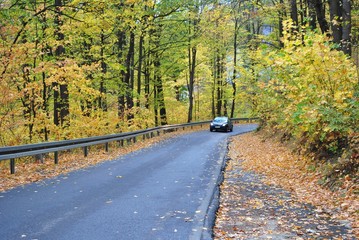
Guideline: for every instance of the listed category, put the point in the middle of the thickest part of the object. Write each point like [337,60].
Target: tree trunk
[102,99]
[225,111]
[234,78]
[302,12]
[55,87]
[159,99]
[128,76]
[320,10]
[312,14]
[45,104]
[61,94]
[336,20]
[294,12]
[192,52]
[64,110]
[148,63]
[155,105]
[139,69]
[192,56]
[27,100]
[147,80]
[280,24]
[347,25]
[45,88]
[160,107]
[213,90]
[219,85]
[121,41]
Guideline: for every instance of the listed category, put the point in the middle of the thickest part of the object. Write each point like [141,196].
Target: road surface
[165,191]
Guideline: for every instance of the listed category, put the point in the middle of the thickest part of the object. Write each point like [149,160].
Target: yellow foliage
[311,90]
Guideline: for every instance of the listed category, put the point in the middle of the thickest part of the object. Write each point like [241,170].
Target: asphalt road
[162,192]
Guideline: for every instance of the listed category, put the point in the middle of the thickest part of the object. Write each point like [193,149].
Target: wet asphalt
[166,191]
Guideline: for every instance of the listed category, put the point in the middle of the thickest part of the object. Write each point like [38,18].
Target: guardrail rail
[38,149]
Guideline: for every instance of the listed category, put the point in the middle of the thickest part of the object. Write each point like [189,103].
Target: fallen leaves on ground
[268,192]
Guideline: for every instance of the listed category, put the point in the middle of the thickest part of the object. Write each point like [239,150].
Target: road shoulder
[268,194]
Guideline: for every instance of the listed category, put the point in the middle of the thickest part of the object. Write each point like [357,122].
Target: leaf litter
[268,193]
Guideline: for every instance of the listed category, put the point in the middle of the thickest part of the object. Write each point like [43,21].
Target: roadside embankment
[271,192]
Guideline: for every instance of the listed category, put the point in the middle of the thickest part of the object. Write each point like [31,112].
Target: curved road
[162,192]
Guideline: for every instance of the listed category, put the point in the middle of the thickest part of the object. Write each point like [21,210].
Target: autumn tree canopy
[76,68]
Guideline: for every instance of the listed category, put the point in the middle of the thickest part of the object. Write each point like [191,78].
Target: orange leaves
[251,208]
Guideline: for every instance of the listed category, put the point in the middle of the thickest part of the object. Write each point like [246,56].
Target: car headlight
[224,124]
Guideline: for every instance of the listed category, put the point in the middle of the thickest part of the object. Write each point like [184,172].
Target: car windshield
[219,120]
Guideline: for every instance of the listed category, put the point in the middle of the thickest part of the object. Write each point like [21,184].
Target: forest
[79,68]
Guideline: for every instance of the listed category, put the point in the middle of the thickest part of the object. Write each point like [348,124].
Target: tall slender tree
[347,27]
[60,88]
[160,107]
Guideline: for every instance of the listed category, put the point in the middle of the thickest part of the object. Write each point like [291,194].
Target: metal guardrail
[38,149]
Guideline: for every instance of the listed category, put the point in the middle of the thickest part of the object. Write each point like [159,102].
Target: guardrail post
[106,147]
[56,157]
[12,165]
[85,151]
[134,140]
[39,158]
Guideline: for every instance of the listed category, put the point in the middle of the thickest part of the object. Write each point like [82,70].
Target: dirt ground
[269,192]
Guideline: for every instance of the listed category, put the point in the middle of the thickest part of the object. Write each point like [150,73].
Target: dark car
[221,124]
